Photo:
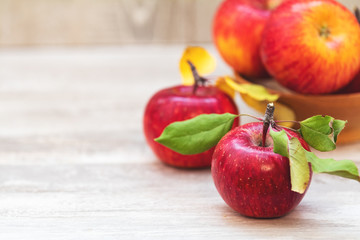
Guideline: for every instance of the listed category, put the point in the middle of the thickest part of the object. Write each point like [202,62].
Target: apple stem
[198,79]
[324,32]
[357,14]
[268,119]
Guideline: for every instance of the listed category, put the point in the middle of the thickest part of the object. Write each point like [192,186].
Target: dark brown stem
[268,119]
[198,79]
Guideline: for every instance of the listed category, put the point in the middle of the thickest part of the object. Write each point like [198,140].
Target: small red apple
[237,30]
[181,103]
[312,46]
[250,177]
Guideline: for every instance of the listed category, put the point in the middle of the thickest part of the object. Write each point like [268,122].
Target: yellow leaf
[223,86]
[202,60]
[255,91]
[282,112]
[257,97]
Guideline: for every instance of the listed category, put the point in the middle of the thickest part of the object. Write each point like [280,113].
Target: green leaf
[316,131]
[197,134]
[342,168]
[280,140]
[338,126]
[299,167]
[318,123]
[321,132]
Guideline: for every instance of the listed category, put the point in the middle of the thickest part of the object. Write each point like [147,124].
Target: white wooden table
[74,163]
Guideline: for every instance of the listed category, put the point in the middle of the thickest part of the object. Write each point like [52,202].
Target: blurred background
[88,22]
[75,76]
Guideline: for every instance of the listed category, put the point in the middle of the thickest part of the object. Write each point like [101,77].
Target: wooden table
[74,163]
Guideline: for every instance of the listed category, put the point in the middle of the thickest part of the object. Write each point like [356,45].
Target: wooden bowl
[339,106]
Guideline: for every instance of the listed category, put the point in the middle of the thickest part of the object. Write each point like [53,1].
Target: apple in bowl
[237,30]
[354,85]
[312,46]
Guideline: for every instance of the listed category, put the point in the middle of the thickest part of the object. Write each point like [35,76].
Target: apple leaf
[198,134]
[257,97]
[204,62]
[338,126]
[223,86]
[342,168]
[299,159]
[299,167]
[280,142]
[255,91]
[321,132]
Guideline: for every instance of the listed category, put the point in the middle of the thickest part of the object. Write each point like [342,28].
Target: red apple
[181,103]
[237,30]
[253,180]
[354,85]
[312,46]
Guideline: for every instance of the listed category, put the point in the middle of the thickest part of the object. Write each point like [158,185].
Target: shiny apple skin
[177,104]
[237,29]
[254,180]
[301,59]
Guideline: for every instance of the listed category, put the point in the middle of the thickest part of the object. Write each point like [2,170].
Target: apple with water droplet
[237,31]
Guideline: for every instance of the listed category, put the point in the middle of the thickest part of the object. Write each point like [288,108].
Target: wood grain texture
[78,22]
[74,163]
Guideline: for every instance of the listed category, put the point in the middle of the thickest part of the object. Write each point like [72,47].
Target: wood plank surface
[78,22]
[75,22]
[74,163]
